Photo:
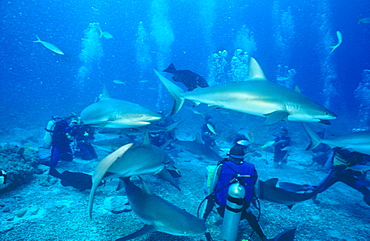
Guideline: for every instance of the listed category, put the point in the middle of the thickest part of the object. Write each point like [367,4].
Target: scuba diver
[232,189]
[61,142]
[84,136]
[161,137]
[281,153]
[347,167]
[209,132]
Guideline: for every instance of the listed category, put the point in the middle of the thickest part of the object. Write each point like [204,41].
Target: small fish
[49,46]
[212,129]
[287,148]
[267,144]
[339,35]
[243,142]
[364,20]
[116,81]
[107,35]
[198,113]
[281,78]
[245,133]
[144,81]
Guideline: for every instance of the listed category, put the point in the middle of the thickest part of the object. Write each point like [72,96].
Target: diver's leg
[209,207]
[55,156]
[328,181]
[355,182]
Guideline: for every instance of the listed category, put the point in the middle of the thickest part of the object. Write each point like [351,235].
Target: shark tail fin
[315,139]
[38,40]
[175,91]
[333,48]
[170,69]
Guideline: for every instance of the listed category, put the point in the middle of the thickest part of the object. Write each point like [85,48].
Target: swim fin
[287,235]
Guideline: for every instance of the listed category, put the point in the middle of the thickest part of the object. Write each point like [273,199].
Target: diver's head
[284,131]
[208,119]
[236,154]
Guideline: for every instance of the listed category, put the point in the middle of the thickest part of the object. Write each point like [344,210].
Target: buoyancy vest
[228,172]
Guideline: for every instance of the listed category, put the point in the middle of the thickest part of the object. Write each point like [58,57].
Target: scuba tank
[49,131]
[233,212]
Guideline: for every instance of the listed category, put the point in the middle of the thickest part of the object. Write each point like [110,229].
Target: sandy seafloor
[46,210]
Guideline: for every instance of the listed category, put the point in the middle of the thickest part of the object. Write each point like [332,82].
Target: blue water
[36,83]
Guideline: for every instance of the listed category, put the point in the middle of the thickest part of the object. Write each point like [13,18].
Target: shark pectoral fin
[144,230]
[166,175]
[101,170]
[275,117]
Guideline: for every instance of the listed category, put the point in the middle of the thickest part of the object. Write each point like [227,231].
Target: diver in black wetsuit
[346,169]
[281,143]
[208,132]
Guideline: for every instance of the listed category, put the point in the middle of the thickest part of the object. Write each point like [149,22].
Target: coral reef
[20,164]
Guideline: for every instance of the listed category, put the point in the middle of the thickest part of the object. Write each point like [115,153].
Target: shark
[153,128]
[115,113]
[268,190]
[113,144]
[198,149]
[255,96]
[159,215]
[357,141]
[130,161]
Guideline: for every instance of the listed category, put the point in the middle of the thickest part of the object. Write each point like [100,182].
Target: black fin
[53,172]
[287,235]
[170,69]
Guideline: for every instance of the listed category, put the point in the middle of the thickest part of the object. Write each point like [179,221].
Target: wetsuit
[60,143]
[280,155]
[84,136]
[207,136]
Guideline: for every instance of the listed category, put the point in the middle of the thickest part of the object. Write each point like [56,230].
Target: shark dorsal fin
[105,94]
[144,186]
[198,138]
[297,89]
[255,71]
[146,139]
[272,182]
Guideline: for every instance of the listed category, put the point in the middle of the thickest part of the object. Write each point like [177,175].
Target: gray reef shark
[159,215]
[113,144]
[115,113]
[140,130]
[357,141]
[268,190]
[255,96]
[127,162]
[198,149]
